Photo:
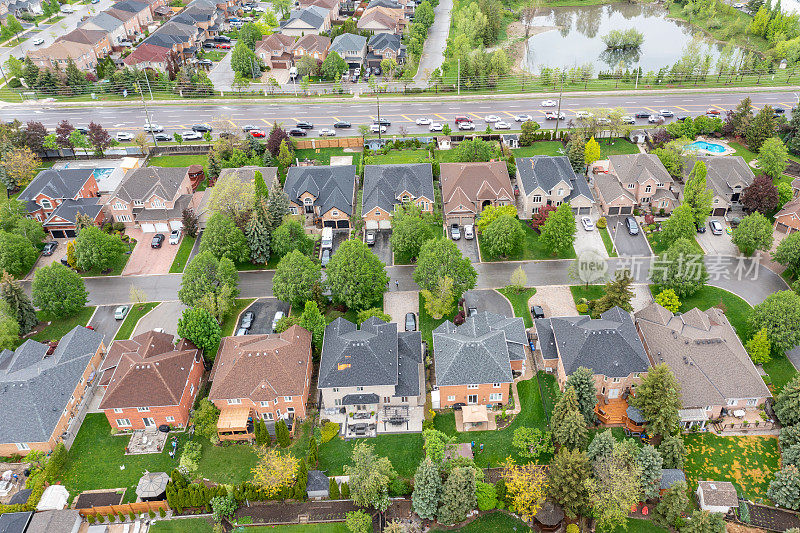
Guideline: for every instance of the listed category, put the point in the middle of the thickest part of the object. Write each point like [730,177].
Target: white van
[292,73]
[327,238]
[66,8]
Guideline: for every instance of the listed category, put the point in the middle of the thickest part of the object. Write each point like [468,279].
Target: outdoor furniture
[152,485]
[739,413]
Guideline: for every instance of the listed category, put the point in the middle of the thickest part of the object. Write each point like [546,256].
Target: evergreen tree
[345,490]
[567,422]
[75,78]
[278,204]
[427,489]
[650,463]
[673,451]
[787,402]
[673,503]
[260,186]
[704,522]
[618,293]
[313,454]
[257,233]
[582,380]
[301,482]
[658,397]
[282,434]
[601,446]
[575,153]
[18,302]
[458,496]
[314,321]
[567,473]
[333,489]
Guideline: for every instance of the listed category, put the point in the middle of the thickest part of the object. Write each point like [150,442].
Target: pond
[573,36]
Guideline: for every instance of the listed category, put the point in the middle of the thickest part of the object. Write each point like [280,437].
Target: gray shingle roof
[719,493]
[348,42]
[391,4]
[353,357]
[670,476]
[317,481]
[547,171]
[55,521]
[382,41]
[724,172]
[610,188]
[34,389]
[69,210]
[360,399]
[383,185]
[475,352]
[314,16]
[131,6]
[57,184]
[409,358]
[608,346]
[638,168]
[141,183]
[14,522]
[103,21]
[331,186]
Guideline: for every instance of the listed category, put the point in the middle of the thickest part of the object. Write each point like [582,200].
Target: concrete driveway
[628,245]
[382,247]
[264,310]
[468,247]
[165,316]
[103,322]
[555,300]
[221,74]
[488,300]
[146,260]
[48,260]
[717,244]
[397,304]
[588,240]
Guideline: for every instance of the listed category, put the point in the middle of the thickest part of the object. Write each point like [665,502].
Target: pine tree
[261,190]
[258,233]
[697,194]
[673,451]
[333,489]
[282,434]
[601,446]
[567,473]
[18,301]
[761,128]
[567,422]
[301,482]
[618,293]
[313,453]
[658,397]
[458,496]
[650,463]
[345,490]
[582,380]
[787,403]
[278,204]
[427,489]
[673,503]
[575,153]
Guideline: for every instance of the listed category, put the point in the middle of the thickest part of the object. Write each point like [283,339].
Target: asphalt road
[401,113]
[103,322]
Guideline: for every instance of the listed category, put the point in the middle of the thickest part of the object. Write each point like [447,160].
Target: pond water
[576,33]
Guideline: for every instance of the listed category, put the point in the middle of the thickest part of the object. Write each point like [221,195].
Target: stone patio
[143,442]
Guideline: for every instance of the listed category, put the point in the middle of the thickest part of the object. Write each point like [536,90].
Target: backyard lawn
[532,249]
[399,156]
[177,160]
[519,301]
[204,525]
[617,146]
[496,523]
[540,148]
[182,257]
[61,326]
[636,525]
[322,155]
[403,449]
[747,462]
[134,315]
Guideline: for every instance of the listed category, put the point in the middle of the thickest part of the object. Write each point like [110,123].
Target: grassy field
[747,462]
[61,326]
[177,160]
[495,522]
[182,257]
[659,247]
[399,156]
[609,244]
[322,155]
[134,315]
[519,301]
[532,249]
[540,148]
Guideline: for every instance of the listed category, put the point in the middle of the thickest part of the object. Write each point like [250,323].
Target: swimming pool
[102,173]
[713,148]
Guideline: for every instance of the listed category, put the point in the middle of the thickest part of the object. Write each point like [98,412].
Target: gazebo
[152,486]
[234,424]
[549,516]
[475,417]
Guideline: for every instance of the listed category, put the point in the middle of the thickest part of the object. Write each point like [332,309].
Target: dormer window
[648,189]
[631,185]
[46,204]
[157,203]
[307,201]
[138,203]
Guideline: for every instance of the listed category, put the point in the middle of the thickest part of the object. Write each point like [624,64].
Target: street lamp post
[378,102]
[147,115]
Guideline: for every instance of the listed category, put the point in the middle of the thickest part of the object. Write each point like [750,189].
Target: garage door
[329,223]
[372,224]
[175,224]
[148,228]
[343,224]
[71,233]
[718,212]
[584,210]
[385,224]
[162,226]
[57,234]
[781,228]
[613,210]
[626,210]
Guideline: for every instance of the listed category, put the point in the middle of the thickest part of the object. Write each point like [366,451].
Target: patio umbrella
[152,485]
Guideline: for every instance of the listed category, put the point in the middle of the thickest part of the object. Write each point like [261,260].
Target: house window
[143,409]
[404,399]
[377,213]
[359,389]
[118,206]
[118,411]
[631,185]
[293,210]
[751,402]
[170,419]
[335,213]
[337,401]
[646,200]
[264,404]
[537,198]
[46,204]
[123,423]
[732,401]
[496,397]
[561,191]
[157,203]
[659,185]
[123,218]
[277,412]
[287,398]
[23,446]
[648,188]
[535,210]
[268,416]
[290,410]
[405,198]
[336,389]
[275,401]
[424,206]
[451,398]
[138,203]
[39,218]
[234,401]
[307,201]
[472,386]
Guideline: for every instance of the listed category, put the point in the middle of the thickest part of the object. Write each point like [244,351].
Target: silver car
[587,223]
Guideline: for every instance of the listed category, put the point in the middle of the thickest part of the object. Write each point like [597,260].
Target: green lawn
[616,146]
[322,155]
[184,525]
[399,156]
[749,155]
[636,525]
[177,160]
[230,464]
[540,148]
[660,247]
[134,315]
[116,268]
[427,323]
[203,525]
[532,249]
[747,462]
[496,523]
[404,450]
[519,301]
[182,257]
[609,244]
[61,326]
[591,292]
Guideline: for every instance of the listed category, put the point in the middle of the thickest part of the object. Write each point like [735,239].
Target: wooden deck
[614,414]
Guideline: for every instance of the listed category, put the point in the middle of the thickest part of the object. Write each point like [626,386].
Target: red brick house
[787,220]
[150,381]
[152,198]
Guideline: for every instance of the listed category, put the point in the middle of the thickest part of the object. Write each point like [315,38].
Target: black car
[303,125]
[382,122]
[297,132]
[681,118]
[643,114]
[227,135]
[164,137]
[201,128]
[342,124]
[247,320]
[83,131]
[701,228]
[65,261]
[633,227]
[158,240]
[222,39]
[778,110]
[49,248]
[537,311]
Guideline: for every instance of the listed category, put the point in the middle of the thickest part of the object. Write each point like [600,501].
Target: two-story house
[135,15]
[726,176]
[312,45]
[544,180]
[331,5]
[114,27]
[626,182]
[325,193]
[469,187]
[476,361]
[383,16]
[150,381]
[310,19]
[43,390]
[352,48]
[388,186]
[275,51]
[152,198]
[371,380]
[715,372]
[265,377]
[83,46]
[56,197]
[385,46]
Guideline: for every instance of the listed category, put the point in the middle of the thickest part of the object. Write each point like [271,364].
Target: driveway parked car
[49,248]
[411,322]
[716,227]
[158,240]
[247,320]
[369,238]
[469,232]
[278,316]
[120,312]
[175,236]
[632,226]
[587,223]
[455,232]
[537,311]
[38,41]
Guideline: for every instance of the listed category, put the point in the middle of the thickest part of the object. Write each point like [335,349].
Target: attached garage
[343,224]
[582,210]
[781,227]
[175,224]
[626,210]
[57,233]
[329,223]
[70,233]
[718,212]
[162,227]
[371,224]
[148,228]
[385,224]
[613,210]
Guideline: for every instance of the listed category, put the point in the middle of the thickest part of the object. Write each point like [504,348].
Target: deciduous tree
[761,195]
[9,328]
[681,269]
[704,522]
[274,470]
[58,290]
[673,503]
[290,236]
[223,239]
[96,249]
[503,236]
[787,252]
[591,152]
[491,213]
[355,275]
[760,128]
[773,157]
[615,488]
[558,231]
[410,230]
[475,150]
[20,165]
[17,254]
[99,138]
[296,278]
[205,274]
[779,314]
[618,293]
[233,197]
[199,326]
[531,442]
[759,347]
[439,302]
[205,419]
[753,233]
[369,477]
[441,258]
[314,321]
[333,66]
[668,300]
[658,397]
[680,225]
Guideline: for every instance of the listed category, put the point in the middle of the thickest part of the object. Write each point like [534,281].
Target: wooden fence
[338,142]
[125,508]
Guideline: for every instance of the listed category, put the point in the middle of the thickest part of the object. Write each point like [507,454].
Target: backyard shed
[54,498]
[670,476]
[717,496]
[317,486]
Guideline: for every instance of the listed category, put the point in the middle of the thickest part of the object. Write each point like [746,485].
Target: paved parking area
[588,240]
[717,244]
[103,321]
[628,245]
[488,300]
[146,260]
[265,309]
[44,261]
[555,300]
[468,247]
[397,304]
[165,316]
[382,247]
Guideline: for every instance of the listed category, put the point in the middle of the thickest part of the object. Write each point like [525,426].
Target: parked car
[205,62]
[642,114]
[549,103]
[653,119]
[587,223]
[537,311]
[190,135]
[469,232]
[201,128]
[423,121]
[633,227]
[502,125]
[628,120]
[666,113]
[459,119]
[278,316]
[382,122]
[325,258]
[121,311]
[327,132]
[303,125]
[492,118]
[342,124]
[778,110]
[701,228]
[297,132]
[411,322]
[455,232]
[247,320]
[82,130]
[242,331]
[712,111]
[38,41]
[583,114]
[681,118]
[222,39]
[164,137]
[49,248]
[209,44]
[124,136]
[175,236]
[466,126]
[249,127]
[522,118]
[435,127]
[153,128]
[369,238]
[374,128]
[258,134]
[158,240]
[552,115]
[716,227]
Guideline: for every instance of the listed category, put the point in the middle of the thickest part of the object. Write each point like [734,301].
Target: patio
[143,442]
[475,418]
[751,421]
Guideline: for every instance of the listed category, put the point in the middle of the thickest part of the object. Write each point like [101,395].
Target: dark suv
[633,227]
[158,240]
[49,248]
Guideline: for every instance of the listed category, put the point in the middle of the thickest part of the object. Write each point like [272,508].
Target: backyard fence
[125,508]
[338,142]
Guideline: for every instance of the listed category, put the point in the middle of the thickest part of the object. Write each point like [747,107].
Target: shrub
[344,490]
[112,518]
[152,514]
[487,496]
[118,226]
[573,528]
[399,487]
[601,223]
[90,519]
[161,512]
[582,308]
[328,431]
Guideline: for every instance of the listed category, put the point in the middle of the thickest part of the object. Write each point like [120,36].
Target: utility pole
[458,76]
[560,92]
[148,85]
[378,101]
[147,115]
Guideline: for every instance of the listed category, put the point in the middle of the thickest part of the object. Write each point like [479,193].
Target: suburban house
[352,48]
[625,182]
[331,5]
[312,45]
[18,7]
[275,51]
[114,27]
[150,381]
[263,377]
[310,19]
[716,374]
[56,197]
[325,193]
[475,362]
[717,496]
[787,220]
[727,176]
[544,180]
[172,39]
[43,390]
[83,46]
[371,380]
[152,198]
[610,346]
[134,14]
[469,187]
[388,186]
[382,20]
[385,46]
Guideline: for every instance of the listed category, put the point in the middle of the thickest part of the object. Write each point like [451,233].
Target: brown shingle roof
[312,43]
[470,182]
[639,168]
[719,493]
[149,371]
[261,367]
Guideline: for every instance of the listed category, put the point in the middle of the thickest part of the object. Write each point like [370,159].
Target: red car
[223,46]
[712,111]
[258,133]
